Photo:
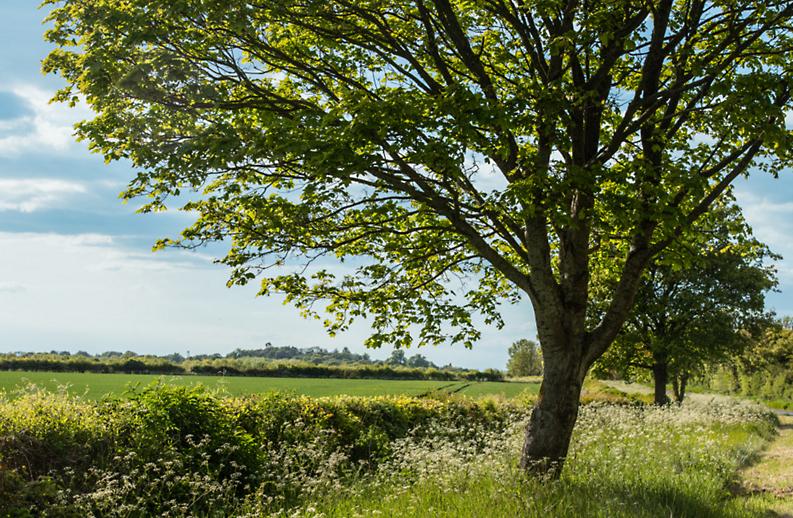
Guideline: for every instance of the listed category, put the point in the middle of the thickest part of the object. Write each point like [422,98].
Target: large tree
[699,303]
[515,144]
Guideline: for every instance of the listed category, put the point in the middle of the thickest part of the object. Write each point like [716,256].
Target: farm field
[95,386]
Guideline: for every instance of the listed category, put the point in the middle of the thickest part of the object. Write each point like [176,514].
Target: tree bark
[552,419]
[661,378]
[679,383]
[736,380]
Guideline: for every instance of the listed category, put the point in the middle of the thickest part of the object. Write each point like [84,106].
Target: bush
[42,431]
[185,450]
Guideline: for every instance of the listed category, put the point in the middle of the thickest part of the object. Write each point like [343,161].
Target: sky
[77,271]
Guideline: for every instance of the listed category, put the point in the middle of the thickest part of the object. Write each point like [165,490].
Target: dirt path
[771,479]
[768,483]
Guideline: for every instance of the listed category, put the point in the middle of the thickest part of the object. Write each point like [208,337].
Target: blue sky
[76,267]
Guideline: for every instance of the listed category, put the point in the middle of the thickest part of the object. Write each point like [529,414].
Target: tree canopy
[525,359]
[518,146]
[699,303]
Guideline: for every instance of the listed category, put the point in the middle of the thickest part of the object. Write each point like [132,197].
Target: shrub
[186,450]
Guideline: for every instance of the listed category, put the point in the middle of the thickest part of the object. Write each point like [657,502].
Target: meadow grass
[769,482]
[95,385]
[510,389]
[624,462]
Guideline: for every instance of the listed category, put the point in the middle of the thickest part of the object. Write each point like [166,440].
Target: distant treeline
[764,371]
[260,362]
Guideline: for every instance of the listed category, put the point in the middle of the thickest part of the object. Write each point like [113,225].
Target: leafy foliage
[178,451]
[172,451]
[525,359]
[764,370]
[453,154]
[699,304]
[425,142]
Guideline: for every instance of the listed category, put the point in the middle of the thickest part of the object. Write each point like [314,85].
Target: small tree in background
[419,361]
[397,357]
[774,347]
[525,359]
[700,302]
[765,369]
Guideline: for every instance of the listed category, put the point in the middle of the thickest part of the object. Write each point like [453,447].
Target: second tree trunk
[661,377]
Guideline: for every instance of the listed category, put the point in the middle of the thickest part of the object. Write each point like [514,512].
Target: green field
[95,386]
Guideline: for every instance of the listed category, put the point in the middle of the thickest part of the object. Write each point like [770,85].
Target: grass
[500,496]
[770,481]
[95,386]
[510,389]
[624,462]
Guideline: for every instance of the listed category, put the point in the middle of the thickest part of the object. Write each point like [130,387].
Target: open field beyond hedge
[95,386]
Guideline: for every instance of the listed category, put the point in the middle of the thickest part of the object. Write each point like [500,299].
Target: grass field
[95,386]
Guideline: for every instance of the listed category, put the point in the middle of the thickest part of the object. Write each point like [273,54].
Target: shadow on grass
[648,501]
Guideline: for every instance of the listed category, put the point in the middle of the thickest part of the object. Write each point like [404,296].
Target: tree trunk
[679,383]
[736,380]
[661,378]
[552,420]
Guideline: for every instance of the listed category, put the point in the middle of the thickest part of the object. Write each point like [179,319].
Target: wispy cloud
[93,292]
[772,223]
[106,252]
[44,128]
[767,216]
[30,195]
[11,287]
[758,205]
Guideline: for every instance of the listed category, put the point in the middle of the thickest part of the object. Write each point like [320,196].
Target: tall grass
[624,462]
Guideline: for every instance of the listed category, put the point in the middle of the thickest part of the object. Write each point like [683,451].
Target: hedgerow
[172,449]
[261,367]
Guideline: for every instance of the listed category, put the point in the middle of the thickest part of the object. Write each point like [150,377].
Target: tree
[520,146]
[697,304]
[419,361]
[765,369]
[774,348]
[525,359]
[397,357]
[768,353]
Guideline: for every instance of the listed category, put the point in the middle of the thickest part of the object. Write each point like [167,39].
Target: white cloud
[758,206]
[49,127]
[91,292]
[101,252]
[772,223]
[11,287]
[30,195]
[770,220]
